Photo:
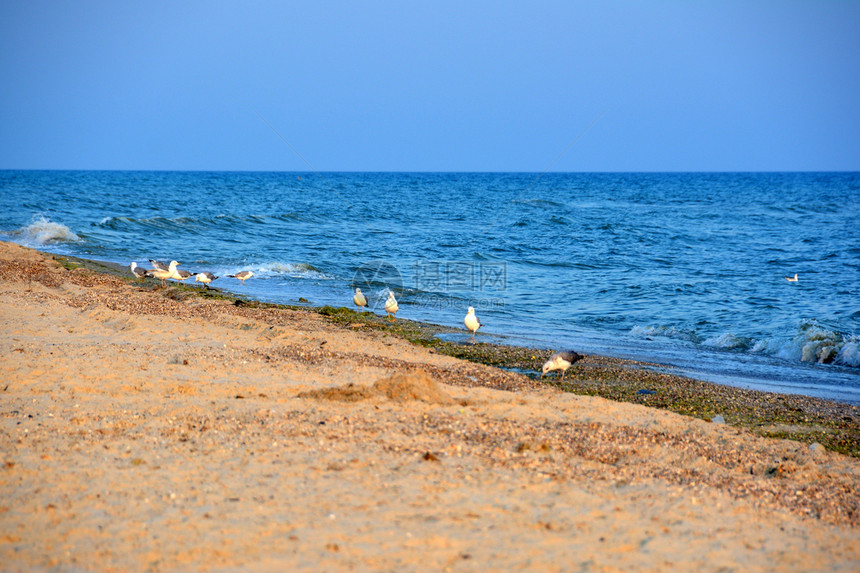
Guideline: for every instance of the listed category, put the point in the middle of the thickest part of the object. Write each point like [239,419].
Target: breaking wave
[666,331]
[41,232]
[817,343]
[292,270]
[812,343]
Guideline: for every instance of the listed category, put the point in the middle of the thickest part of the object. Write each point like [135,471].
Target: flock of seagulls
[164,271]
[558,361]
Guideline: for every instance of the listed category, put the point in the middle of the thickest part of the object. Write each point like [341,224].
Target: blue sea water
[686,270]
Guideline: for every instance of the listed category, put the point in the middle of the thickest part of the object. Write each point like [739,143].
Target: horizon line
[440,171]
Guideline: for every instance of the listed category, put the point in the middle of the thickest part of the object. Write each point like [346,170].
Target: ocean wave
[728,341]
[666,331]
[176,223]
[814,343]
[42,231]
[151,223]
[540,203]
[293,270]
[849,354]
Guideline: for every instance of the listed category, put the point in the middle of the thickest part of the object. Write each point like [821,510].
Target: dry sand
[139,432]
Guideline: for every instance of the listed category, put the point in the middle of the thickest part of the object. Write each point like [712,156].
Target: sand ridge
[142,431]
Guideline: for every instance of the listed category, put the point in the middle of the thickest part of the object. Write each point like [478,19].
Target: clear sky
[430,86]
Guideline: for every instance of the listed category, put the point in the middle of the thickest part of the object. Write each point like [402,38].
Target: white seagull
[138,272]
[162,274]
[471,321]
[391,306]
[242,275]
[205,277]
[560,361]
[359,299]
[792,279]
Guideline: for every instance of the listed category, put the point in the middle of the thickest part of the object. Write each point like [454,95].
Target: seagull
[138,272]
[792,279]
[391,306]
[471,321]
[560,361]
[159,265]
[359,299]
[205,277]
[182,275]
[242,276]
[162,274]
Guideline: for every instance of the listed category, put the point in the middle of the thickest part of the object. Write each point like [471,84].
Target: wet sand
[146,430]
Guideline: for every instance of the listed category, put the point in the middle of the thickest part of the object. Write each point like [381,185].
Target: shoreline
[807,419]
[167,430]
[799,382]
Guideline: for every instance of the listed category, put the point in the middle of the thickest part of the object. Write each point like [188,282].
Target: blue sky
[432,86]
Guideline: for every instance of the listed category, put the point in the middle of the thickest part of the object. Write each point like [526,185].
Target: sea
[685,270]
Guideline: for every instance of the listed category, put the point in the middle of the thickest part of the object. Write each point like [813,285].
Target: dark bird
[560,361]
[138,272]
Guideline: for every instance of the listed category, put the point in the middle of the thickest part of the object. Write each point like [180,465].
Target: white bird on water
[792,279]
[205,277]
[560,361]
[242,275]
[359,299]
[138,271]
[163,274]
[391,306]
[471,321]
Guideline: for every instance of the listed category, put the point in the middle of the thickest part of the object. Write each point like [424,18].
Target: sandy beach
[146,430]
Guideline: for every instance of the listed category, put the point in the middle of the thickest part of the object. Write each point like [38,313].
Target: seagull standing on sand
[391,306]
[138,272]
[560,361]
[205,277]
[792,279]
[359,299]
[162,274]
[242,276]
[471,321]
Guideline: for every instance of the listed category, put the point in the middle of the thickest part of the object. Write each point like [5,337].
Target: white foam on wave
[42,231]
[849,354]
[813,343]
[667,331]
[728,341]
[819,345]
[293,270]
